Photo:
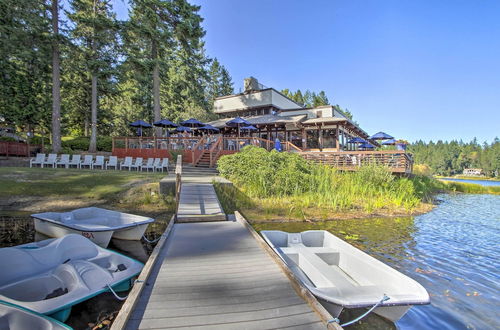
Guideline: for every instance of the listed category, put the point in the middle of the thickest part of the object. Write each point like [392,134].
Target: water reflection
[452,251]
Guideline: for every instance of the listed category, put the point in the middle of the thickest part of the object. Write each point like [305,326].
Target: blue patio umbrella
[238,122]
[183,129]
[248,128]
[277,145]
[381,136]
[192,123]
[390,142]
[357,140]
[208,128]
[165,123]
[140,124]
[366,145]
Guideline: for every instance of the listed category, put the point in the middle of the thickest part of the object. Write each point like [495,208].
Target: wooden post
[178,183]
[337,137]
[304,138]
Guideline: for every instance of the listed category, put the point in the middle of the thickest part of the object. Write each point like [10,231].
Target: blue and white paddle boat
[51,276]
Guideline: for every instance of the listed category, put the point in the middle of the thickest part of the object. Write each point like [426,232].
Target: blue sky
[414,69]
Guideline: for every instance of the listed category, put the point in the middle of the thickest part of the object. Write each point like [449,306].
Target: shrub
[82,143]
[263,174]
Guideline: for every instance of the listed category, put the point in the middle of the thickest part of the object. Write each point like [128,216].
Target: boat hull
[131,234]
[51,229]
[391,313]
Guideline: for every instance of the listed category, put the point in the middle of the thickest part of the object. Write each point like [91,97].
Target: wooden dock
[216,275]
[198,202]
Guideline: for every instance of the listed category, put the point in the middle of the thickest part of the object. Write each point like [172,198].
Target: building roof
[261,120]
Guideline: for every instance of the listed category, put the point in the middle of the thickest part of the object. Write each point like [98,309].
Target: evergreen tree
[94,32]
[25,63]
[56,80]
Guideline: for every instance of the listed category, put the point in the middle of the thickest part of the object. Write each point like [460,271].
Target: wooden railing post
[178,183]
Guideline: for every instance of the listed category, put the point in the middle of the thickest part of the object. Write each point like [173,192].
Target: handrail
[195,148]
[178,183]
[213,158]
[395,160]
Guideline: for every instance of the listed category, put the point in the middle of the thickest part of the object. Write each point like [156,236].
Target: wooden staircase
[204,160]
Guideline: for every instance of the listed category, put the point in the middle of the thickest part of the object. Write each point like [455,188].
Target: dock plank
[198,202]
[214,275]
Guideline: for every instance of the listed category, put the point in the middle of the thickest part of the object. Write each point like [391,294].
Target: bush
[82,143]
[7,139]
[264,174]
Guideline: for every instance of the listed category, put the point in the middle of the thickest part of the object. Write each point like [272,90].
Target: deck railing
[8,148]
[396,161]
[193,149]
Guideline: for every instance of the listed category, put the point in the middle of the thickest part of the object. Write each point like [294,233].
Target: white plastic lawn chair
[38,160]
[64,161]
[112,162]
[163,165]
[138,163]
[88,160]
[51,160]
[99,161]
[156,164]
[126,163]
[75,161]
[149,165]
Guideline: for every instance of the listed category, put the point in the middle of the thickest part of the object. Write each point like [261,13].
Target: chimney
[251,84]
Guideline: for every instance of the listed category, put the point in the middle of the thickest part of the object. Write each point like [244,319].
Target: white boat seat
[321,273]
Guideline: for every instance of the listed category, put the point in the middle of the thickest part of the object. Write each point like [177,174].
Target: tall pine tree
[94,31]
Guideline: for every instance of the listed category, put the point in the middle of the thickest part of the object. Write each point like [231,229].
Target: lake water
[480,182]
[453,251]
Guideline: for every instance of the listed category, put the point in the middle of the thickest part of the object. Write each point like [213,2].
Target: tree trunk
[93,119]
[56,90]
[156,86]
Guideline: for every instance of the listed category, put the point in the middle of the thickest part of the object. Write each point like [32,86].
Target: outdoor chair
[99,161]
[112,162]
[156,164]
[138,164]
[75,161]
[163,165]
[51,160]
[38,160]
[149,165]
[126,163]
[88,160]
[231,145]
[64,160]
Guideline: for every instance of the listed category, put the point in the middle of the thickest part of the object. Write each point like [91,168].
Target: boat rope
[336,320]
[114,293]
[150,242]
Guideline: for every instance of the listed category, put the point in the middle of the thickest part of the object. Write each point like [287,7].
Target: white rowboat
[342,276]
[51,276]
[95,223]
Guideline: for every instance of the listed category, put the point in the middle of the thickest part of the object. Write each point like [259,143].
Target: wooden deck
[198,202]
[215,276]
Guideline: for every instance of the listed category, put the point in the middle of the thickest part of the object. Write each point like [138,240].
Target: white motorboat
[17,317]
[342,276]
[51,276]
[95,223]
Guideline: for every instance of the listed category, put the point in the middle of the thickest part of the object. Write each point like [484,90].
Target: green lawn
[99,184]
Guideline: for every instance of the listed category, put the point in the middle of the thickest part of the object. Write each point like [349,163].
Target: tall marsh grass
[287,179]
